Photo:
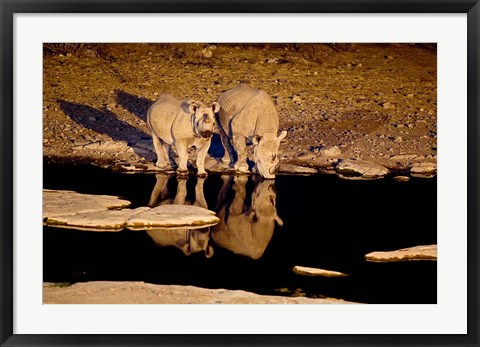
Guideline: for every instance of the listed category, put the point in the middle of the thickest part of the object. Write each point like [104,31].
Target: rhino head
[265,150]
[203,118]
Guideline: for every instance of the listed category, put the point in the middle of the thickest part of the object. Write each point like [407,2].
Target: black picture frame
[9,7]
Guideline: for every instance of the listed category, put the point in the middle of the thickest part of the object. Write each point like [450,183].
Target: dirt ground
[376,102]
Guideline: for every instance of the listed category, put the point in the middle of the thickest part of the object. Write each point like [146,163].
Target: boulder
[65,202]
[173,216]
[405,254]
[310,271]
[360,169]
[330,151]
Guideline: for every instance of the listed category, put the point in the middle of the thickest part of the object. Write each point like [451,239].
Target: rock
[65,202]
[401,178]
[103,292]
[330,151]
[310,271]
[295,169]
[406,254]
[297,99]
[388,105]
[108,146]
[425,169]
[403,157]
[96,221]
[358,168]
[167,216]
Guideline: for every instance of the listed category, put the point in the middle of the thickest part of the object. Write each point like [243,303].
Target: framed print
[241,173]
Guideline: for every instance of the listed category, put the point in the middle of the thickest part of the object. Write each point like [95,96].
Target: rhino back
[247,111]
[166,117]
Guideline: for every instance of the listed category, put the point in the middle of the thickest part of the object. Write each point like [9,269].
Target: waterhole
[267,228]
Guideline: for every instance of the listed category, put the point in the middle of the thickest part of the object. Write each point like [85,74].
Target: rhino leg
[199,195]
[239,142]
[227,147]
[162,154]
[239,187]
[159,191]
[182,151]
[181,192]
[201,153]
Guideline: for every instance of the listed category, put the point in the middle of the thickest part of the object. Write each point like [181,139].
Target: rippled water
[267,228]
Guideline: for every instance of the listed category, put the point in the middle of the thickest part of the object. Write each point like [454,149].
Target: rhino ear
[256,139]
[192,108]
[215,107]
[282,135]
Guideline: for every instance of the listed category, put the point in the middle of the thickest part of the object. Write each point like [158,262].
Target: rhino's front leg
[201,154]
[182,151]
[181,192]
[240,182]
[241,148]
[199,195]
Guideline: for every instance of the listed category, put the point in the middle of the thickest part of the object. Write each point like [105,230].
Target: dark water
[328,223]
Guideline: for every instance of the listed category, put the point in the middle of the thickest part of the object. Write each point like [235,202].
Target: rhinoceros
[188,240]
[181,124]
[249,114]
[242,230]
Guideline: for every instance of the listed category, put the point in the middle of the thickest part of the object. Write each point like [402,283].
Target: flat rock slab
[114,220]
[295,169]
[360,169]
[310,271]
[65,202]
[406,254]
[173,216]
[145,293]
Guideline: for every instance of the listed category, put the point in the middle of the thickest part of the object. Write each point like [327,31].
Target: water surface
[267,228]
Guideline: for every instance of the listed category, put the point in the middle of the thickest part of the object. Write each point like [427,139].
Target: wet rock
[401,178]
[173,216]
[428,252]
[113,220]
[295,169]
[425,169]
[310,271]
[65,202]
[350,168]
[330,151]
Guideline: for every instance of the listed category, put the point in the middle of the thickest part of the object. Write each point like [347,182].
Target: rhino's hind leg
[239,142]
[162,154]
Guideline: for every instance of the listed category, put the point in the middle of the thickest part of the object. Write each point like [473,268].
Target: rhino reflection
[246,230]
[188,240]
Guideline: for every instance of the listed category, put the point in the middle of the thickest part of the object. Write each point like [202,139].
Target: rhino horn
[282,135]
